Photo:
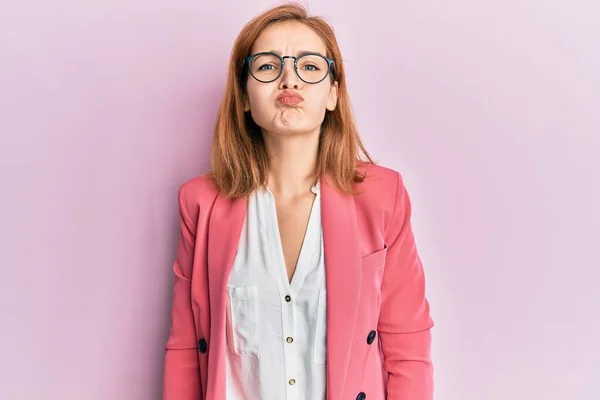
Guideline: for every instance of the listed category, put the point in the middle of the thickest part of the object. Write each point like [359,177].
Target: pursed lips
[290,98]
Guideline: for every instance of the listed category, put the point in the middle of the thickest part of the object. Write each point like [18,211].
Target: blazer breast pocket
[374,260]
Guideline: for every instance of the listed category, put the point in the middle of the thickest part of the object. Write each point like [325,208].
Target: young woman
[297,275]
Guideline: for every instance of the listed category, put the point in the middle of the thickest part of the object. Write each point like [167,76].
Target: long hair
[239,160]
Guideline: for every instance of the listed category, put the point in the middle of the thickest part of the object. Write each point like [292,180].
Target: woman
[297,275]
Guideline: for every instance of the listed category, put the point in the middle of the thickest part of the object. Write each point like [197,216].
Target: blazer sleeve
[404,321]
[181,379]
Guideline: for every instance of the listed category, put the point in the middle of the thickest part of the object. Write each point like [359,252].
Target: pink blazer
[378,321]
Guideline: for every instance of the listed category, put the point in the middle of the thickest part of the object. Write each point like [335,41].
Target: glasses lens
[312,68]
[265,67]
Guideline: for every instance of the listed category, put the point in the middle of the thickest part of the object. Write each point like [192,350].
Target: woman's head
[287,90]
[286,77]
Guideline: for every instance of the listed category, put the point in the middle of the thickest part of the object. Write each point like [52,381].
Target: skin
[291,133]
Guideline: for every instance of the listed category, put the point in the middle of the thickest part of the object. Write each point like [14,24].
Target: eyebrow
[300,52]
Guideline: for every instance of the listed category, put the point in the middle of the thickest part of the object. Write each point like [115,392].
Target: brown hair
[239,160]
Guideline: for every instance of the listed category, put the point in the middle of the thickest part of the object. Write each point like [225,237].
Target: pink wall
[491,110]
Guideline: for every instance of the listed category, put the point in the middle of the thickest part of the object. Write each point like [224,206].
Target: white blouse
[276,330]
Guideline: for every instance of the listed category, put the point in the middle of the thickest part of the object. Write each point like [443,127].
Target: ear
[333,96]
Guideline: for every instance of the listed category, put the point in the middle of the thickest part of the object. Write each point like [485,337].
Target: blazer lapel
[224,231]
[342,272]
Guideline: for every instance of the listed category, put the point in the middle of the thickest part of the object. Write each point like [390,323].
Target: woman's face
[280,116]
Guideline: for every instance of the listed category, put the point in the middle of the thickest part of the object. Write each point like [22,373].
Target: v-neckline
[278,259]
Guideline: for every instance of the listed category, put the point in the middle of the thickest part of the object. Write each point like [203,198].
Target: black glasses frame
[248,60]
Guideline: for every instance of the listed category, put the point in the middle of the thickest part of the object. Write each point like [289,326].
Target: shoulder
[382,193]
[196,192]
[381,183]
[198,186]
[379,177]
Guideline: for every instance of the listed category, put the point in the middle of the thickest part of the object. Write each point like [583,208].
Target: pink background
[490,109]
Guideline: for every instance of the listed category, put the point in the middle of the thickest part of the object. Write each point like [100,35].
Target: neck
[292,160]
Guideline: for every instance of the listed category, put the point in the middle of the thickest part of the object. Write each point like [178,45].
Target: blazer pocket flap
[374,259]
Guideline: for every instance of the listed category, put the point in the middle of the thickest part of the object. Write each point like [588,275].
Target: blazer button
[202,346]
[361,396]
[371,337]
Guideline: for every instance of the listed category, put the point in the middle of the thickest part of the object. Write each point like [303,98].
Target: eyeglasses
[310,67]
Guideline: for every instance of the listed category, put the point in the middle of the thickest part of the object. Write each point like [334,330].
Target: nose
[289,79]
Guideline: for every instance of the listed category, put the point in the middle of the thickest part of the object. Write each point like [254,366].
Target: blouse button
[289,339]
[288,298]
[292,382]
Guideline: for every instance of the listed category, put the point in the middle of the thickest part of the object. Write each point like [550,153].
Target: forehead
[289,36]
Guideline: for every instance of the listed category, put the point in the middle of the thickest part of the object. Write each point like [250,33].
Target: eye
[267,67]
[310,67]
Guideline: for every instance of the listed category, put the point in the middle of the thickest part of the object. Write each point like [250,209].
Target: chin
[294,130]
